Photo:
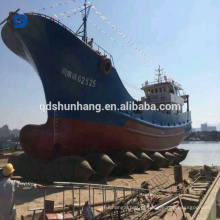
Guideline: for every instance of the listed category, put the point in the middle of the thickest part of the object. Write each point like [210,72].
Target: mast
[85,23]
[85,14]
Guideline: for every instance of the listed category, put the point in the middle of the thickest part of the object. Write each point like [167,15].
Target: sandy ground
[27,199]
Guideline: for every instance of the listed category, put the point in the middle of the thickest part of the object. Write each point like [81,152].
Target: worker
[90,43]
[87,211]
[7,189]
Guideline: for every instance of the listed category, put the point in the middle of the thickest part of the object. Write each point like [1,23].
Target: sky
[182,36]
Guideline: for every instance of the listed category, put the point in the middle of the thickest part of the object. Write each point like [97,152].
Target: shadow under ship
[72,71]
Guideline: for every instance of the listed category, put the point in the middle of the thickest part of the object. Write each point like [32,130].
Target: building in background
[212,128]
[205,127]
[5,132]
[15,132]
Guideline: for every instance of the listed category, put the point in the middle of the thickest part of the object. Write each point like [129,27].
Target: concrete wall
[209,208]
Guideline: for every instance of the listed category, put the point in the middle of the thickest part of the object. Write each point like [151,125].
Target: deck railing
[103,199]
[146,84]
[96,48]
[101,51]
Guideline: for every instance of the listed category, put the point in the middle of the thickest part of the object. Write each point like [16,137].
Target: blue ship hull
[70,72]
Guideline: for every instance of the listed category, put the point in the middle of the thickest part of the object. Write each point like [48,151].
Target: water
[201,153]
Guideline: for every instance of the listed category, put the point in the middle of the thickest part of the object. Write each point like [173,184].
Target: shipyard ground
[27,199]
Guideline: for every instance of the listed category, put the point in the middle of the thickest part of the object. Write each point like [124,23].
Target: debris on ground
[158,198]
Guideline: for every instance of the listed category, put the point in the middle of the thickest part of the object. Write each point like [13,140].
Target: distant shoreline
[185,141]
[204,136]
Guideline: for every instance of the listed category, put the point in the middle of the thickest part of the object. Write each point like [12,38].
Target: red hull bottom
[80,138]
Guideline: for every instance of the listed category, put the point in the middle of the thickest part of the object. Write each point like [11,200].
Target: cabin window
[161,123]
[179,123]
[174,124]
[171,90]
[160,89]
[156,90]
[168,124]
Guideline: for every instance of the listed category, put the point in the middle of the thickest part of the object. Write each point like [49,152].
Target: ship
[74,71]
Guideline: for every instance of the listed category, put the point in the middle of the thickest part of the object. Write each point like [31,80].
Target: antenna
[159,74]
